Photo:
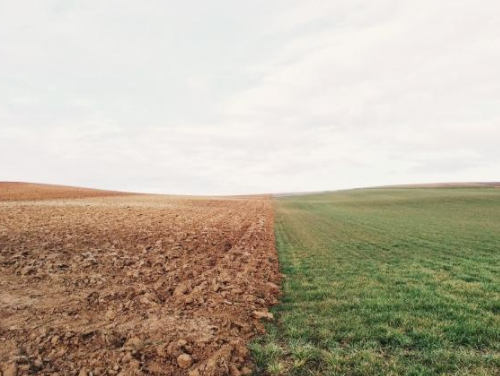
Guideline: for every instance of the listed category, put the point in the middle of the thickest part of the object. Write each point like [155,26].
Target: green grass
[387,282]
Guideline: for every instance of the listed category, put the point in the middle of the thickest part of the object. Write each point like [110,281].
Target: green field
[387,282]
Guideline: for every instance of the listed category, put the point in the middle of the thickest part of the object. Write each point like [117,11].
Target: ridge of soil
[14,191]
[134,285]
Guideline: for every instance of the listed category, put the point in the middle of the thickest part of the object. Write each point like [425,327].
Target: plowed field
[26,191]
[132,285]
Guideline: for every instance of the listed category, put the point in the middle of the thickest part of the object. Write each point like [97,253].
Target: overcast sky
[229,97]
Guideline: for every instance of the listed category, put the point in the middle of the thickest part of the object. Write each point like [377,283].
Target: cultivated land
[102,283]
[29,192]
[387,282]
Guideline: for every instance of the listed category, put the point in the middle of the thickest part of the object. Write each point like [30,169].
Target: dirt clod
[262,315]
[246,371]
[184,361]
[10,370]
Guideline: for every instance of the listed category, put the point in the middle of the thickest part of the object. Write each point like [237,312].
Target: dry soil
[132,284]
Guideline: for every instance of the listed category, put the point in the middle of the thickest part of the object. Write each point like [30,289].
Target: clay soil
[133,285]
[11,191]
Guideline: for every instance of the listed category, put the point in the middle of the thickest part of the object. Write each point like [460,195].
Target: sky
[234,97]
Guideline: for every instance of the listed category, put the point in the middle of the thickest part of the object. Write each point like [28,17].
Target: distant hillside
[447,185]
[426,185]
[13,191]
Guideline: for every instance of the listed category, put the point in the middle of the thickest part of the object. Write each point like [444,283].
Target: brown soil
[28,191]
[134,285]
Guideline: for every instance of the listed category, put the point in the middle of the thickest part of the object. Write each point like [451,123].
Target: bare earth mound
[28,192]
[134,285]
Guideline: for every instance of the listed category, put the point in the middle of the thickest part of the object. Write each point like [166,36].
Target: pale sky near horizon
[233,97]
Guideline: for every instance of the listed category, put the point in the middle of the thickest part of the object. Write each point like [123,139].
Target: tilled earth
[133,285]
[10,191]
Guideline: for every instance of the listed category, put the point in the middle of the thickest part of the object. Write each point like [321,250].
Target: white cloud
[232,98]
